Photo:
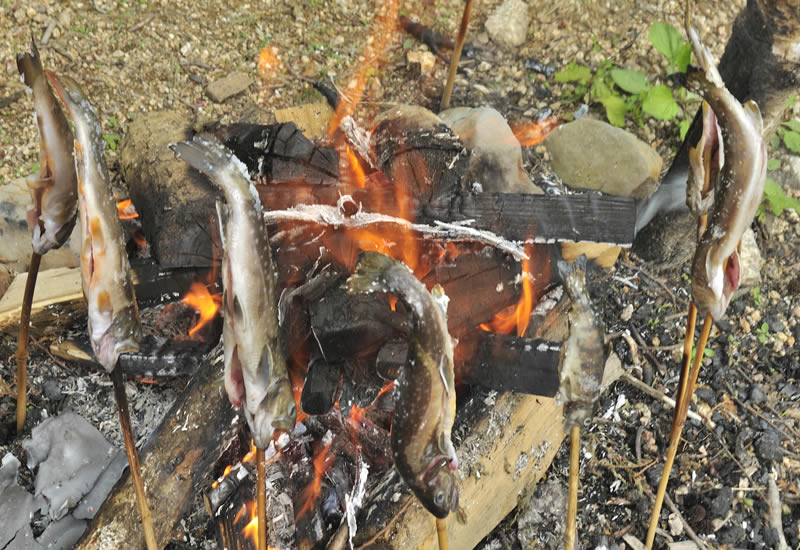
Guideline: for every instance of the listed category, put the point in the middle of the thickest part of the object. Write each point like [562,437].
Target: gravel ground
[135,57]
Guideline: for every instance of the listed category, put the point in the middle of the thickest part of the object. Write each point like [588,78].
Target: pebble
[228,86]
[757,395]
[706,394]
[768,447]
[722,502]
[508,24]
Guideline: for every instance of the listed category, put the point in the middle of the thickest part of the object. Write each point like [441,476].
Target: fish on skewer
[114,325]
[737,193]
[55,192]
[54,195]
[256,375]
[581,373]
[425,399]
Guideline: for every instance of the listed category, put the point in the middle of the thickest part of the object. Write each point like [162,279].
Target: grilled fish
[715,268]
[582,355]
[425,397]
[55,193]
[114,325]
[255,367]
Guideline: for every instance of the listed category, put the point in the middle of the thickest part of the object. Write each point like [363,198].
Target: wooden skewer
[456,56]
[22,341]
[133,459]
[261,499]
[441,532]
[572,502]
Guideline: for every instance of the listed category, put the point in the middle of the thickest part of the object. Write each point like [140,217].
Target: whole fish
[114,325]
[716,266]
[55,192]
[255,366]
[582,354]
[425,397]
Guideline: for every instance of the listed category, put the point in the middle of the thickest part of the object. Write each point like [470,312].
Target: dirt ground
[137,56]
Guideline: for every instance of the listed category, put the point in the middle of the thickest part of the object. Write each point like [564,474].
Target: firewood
[176,463]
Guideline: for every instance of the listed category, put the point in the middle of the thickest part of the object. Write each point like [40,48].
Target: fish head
[276,412]
[439,489]
[122,336]
[713,289]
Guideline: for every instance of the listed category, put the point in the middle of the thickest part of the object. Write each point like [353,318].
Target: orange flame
[532,133]
[139,239]
[268,63]
[251,454]
[313,489]
[126,210]
[358,173]
[517,316]
[207,305]
[382,32]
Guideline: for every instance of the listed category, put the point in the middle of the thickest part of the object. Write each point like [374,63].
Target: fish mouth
[434,463]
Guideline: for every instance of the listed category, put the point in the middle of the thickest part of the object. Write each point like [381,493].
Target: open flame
[207,305]
[532,133]
[516,317]
[382,33]
[355,167]
[321,462]
[268,63]
[126,210]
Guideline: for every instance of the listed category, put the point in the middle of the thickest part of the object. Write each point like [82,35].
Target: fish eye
[438,498]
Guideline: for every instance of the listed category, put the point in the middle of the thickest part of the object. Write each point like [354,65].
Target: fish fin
[223,213]
[752,111]
[715,276]
[369,273]
[29,65]
[204,153]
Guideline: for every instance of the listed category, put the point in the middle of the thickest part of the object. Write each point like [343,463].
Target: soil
[137,56]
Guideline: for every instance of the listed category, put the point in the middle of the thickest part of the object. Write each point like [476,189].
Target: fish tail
[370,273]
[29,65]
[204,153]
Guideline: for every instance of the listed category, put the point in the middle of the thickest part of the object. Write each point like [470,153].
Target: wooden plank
[53,286]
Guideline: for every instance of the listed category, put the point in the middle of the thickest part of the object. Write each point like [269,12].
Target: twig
[653,278]
[22,341]
[686,527]
[196,64]
[376,536]
[142,23]
[63,52]
[441,532]
[51,26]
[261,493]
[638,384]
[456,56]
[774,514]
[572,499]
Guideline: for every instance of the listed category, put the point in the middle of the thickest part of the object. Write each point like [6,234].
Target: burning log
[176,462]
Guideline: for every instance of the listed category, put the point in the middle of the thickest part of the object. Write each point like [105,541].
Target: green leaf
[792,141]
[684,126]
[774,141]
[793,125]
[600,90]
[615,109]
[407,43]
[112,140]
[574,73]
[659,103]
[778,201]
[629,80]
[684,57]
[666,39]
[773,164]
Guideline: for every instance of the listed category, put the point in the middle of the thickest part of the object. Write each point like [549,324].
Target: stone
[312,118]
[749,263]
[508,24]
[420,61]
[228,86]
[722,502]
[15,237]
[768,447]
[495,160]
[757,395]
[590,154]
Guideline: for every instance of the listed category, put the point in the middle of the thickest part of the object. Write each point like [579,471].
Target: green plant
[762,333]
[756,294]
[112,140]
[787,133]
[667,40]
[775,200]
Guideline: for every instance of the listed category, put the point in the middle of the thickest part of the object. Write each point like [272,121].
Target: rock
[668,240]
[15,237]
[420,62]
[768,447]
[756,395]
[5,279]
[774,322]
[508,24]
[590,154]
[312,118]
[722,502]
[749,262]
[228,86]
[731,535]
[16,504]
[706,394]
[52,390]
[495,154]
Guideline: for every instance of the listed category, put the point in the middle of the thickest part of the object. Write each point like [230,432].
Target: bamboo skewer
[133,459]
[441,533]
[456,56]
[261,500]
[22,341]
[572,502]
